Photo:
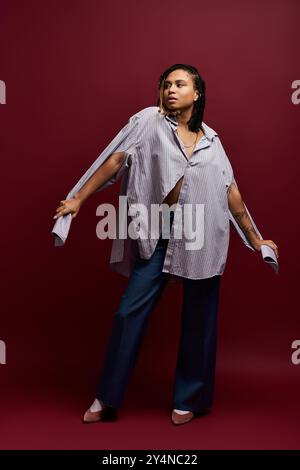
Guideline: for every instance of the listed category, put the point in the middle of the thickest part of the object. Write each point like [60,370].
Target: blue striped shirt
[154,161]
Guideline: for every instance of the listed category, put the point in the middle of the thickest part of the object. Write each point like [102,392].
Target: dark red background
[75,71]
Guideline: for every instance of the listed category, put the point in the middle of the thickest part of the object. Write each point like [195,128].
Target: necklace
[187,146]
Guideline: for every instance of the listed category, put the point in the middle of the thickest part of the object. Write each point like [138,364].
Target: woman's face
[179,84]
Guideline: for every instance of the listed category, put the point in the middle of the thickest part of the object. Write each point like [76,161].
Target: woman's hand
[257,245]
[68,206]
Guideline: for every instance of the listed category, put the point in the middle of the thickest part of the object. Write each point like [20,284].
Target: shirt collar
[208,131]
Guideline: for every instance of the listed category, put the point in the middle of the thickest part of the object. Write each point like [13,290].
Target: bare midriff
[172,196]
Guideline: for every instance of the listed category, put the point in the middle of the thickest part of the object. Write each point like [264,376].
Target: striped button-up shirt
[154,161]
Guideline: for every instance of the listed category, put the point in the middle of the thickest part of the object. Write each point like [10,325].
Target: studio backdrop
[71,75]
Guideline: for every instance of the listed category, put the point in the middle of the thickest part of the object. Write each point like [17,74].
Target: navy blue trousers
[195,368]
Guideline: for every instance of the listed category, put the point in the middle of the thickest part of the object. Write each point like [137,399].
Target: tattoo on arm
[242,218]
[239,215]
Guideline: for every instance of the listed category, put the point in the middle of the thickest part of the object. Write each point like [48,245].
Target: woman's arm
[101,176]
[104,173]
[238,210]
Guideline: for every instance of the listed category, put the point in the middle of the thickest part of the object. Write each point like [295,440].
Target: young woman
[169,158]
